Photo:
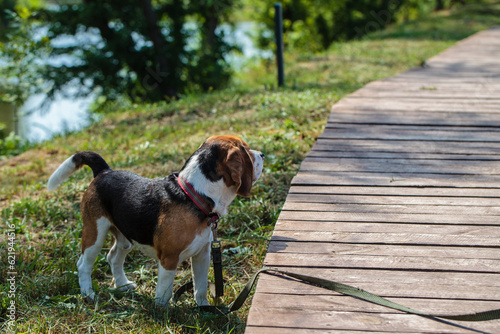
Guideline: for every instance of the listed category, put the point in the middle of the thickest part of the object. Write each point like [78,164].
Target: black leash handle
[217,264]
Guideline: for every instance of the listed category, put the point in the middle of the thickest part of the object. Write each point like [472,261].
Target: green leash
[337,287]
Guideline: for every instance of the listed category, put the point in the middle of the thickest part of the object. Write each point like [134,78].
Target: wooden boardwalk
[400,196]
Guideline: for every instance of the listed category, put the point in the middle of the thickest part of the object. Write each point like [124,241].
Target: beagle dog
[168,219]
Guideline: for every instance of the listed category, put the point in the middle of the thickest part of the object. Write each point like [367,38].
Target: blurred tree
[21,55]
[147,50]
[208,59]
[20,69]
[9,6]
[5,7]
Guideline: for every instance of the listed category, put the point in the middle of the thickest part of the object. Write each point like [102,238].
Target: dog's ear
[240,167]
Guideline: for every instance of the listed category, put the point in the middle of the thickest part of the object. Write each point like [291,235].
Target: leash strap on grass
[345,290]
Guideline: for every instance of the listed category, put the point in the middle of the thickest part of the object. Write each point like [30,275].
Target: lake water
[70,114]
[62,115]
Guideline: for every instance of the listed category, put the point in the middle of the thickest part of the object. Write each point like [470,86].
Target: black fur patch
[208,155]
[134,202]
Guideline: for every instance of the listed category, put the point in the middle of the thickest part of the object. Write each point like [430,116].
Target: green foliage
[313,25]
[11,145]
[5,7]
[148,52]
[20,69]
[21,54]
[415,9]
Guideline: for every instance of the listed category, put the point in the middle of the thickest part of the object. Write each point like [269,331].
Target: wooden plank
[434,130]
[338,303]
[387,84]
[379,132]
[467,89]
[355,227]
[466,73]
[393,238]
[414,128]
[409,91]
[388,208]
[483,48]
[303,247]
[354,321]
[421,239]
[396,191]
[426,75]
[410,129]
[387,89]
[383,284]
[400,166]
[279,330]
[422,118]
[394,155]
[436,78]
[406,147]
[395,179]
[349,304]
[482,63]
[395,281]
[439,74]
[416,105]
[389,218]
[472,92]
[465,202]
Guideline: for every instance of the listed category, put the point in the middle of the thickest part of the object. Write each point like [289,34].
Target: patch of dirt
[29,167]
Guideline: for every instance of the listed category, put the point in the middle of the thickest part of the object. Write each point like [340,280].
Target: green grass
[155,140]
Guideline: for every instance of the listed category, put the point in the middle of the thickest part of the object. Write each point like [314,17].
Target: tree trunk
[212,21]
[159,46]
[439,4]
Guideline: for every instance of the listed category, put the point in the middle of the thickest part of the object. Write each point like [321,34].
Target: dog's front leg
[200,264]
[165,285]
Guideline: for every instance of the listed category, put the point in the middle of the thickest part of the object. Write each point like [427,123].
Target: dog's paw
[89,297]
[201,299]
[202,302]
[161,302]
[127,287]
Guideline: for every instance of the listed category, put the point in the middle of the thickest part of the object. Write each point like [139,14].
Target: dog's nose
[262,155]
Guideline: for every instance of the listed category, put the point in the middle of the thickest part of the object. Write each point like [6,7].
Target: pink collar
[198,200]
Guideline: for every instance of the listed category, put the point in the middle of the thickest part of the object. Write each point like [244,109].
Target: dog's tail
[75,162]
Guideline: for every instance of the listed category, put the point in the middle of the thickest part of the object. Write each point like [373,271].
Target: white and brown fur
[156,216]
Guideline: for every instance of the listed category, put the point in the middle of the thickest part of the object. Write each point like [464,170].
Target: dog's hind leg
[93,237]
[116,259]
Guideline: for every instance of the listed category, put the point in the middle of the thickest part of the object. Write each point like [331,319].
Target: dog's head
[236,163]
[224,162]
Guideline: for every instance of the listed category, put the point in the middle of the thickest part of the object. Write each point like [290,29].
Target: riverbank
[154,140]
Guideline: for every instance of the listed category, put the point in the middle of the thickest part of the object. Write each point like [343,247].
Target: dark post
[278,30]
